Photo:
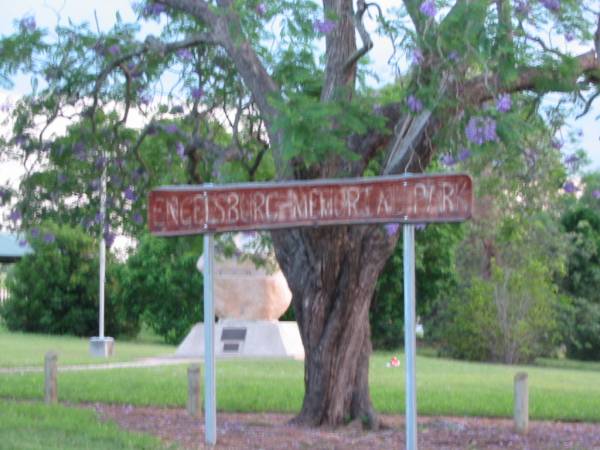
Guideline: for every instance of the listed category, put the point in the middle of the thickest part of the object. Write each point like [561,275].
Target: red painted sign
[179,210]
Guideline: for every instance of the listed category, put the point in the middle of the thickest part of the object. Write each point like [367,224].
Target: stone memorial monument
[249,300]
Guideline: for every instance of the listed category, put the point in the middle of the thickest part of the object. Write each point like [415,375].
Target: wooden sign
[180,210]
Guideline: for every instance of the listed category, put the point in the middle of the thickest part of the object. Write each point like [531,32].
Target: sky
[48,12]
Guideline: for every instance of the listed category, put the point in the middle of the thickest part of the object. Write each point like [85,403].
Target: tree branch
[537,79]
[150,45]
[244,57]
[364,36]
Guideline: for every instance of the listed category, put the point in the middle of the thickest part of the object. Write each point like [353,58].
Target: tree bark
[332,272]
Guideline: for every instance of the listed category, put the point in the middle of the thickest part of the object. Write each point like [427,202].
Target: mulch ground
[273,432]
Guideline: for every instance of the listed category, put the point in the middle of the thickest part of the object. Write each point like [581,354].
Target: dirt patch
[272,432]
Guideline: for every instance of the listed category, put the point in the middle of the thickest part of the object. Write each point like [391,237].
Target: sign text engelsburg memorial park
[180,210]
[409,199]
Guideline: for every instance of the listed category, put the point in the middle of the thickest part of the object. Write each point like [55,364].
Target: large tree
[276,88]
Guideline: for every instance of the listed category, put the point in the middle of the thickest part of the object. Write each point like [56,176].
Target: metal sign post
[210,396]
[102,345]
[410,341]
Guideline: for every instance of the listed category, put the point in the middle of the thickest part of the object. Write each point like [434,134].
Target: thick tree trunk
[332,273]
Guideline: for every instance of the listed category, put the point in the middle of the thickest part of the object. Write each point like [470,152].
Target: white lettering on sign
[430,198]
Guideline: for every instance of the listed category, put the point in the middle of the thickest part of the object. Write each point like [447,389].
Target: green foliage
[581,324]
[436,280]
[510,317]
[162,280]
[55,289]
[581,281]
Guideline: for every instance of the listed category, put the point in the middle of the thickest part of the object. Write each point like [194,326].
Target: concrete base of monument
[246,338]
[102,347]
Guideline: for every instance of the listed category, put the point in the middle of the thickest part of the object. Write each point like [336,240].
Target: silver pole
[410,343]
[102,251]
[210,396]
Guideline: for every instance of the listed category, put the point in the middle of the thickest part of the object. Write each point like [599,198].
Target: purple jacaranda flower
[21,140]
[6,106]
[129,194]
[323,26]
[153,10]
[171,128]
[464,154]
[596,194]
[135,176]
[391,228]
[522,7]
[417,57]
[14,215]
[552,5]
[180,149]
[197,93]
[569,36]
[572,160]
[570,187]
[109,238]
[556,143]
[145,98]
[95,185]
[185,53]
[261,9]
[28,24]
[35,232]
[116,180]
[4,193]
[414,104]
[79,151]
[448,160]
[480,130]
[137,218]
[580,133]
[49,238]
[114,50]
[453,56]
[22,243]
[99,217]
[428,8]
[504,103]
[420,226]
[119,162]
[100,162]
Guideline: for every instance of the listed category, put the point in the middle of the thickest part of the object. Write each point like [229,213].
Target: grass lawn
[33,426]
[26,349]
[445,387]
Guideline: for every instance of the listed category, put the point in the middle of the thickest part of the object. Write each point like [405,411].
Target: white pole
[102,251]
[410,343]
[210,396]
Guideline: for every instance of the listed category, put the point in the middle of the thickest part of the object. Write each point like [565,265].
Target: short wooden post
[521,411]
[50,389]
[193,403]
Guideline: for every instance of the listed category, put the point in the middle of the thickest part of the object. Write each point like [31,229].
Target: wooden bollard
[521,411]
[50,388]
[193,403]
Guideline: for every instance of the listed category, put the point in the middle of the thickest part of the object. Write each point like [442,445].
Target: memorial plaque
[181,210]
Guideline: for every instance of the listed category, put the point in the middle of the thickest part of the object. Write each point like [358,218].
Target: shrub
[582,330]
[161,277]
[510,317]
[55,288]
